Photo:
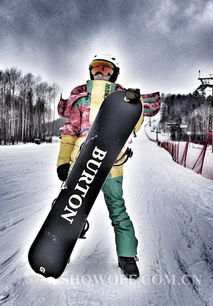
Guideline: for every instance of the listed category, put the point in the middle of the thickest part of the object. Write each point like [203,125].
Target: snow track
[171,208]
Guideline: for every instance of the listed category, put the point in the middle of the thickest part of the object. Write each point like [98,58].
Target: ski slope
[172,211]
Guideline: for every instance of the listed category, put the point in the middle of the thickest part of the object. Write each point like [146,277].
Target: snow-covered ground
[172,210]
[193,152]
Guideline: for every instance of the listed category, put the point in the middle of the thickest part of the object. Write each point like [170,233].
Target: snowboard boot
[129,266]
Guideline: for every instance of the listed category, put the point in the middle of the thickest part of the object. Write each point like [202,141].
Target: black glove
[62,171]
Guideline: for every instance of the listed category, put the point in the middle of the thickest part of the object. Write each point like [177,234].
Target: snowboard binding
[84,230]
[132,94]
[127,154]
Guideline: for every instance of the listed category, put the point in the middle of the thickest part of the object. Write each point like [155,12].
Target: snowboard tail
[57,237]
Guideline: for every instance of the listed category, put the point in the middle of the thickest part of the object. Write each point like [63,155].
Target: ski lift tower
[206,83]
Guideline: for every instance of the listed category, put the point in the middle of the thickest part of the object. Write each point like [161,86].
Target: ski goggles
[106,68]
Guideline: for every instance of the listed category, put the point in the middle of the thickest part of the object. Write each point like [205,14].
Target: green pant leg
[126,242]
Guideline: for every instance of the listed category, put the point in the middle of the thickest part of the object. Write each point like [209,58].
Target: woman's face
[100,76]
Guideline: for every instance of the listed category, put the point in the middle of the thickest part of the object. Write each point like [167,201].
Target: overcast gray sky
[160,44]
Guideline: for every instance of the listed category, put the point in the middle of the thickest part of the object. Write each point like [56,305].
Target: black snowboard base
[116,119]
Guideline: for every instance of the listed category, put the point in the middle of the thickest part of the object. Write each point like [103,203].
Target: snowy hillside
[172,210]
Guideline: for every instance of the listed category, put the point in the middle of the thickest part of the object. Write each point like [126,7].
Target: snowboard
[116,119]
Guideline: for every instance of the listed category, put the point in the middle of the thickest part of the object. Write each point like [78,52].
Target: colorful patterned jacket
[77,108]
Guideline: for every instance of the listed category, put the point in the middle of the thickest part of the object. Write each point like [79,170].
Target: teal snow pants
[126,242]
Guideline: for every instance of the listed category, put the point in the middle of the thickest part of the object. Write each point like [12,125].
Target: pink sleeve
[65,105]
[152,103]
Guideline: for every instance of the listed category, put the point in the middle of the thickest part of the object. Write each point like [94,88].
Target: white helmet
[108,58]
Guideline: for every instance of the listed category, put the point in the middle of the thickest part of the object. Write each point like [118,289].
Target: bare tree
[26,105]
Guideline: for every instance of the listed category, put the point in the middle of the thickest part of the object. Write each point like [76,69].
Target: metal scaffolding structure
[206,83]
